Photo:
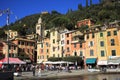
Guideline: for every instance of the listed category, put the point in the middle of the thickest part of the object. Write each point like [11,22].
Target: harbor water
[96,77]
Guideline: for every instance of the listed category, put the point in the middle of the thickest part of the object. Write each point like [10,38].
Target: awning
[114,61]
[90,60]
[12,61]
[102,62]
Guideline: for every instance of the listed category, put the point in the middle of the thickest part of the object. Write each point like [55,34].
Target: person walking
[39,71]
[33,69]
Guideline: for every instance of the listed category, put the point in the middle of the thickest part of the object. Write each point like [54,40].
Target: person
[33,69]
[39,71]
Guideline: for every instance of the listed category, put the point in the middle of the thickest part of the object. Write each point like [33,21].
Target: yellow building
[102,55]
[113,46]
[54,43]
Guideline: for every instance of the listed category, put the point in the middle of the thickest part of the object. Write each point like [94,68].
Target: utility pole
[8,17]
[7,11]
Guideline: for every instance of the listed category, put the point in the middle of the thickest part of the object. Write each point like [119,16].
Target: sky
[21,8]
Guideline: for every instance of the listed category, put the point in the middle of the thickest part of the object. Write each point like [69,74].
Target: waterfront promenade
[63,74]
[52,74]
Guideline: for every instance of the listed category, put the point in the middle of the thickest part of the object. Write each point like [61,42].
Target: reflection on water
[96,77]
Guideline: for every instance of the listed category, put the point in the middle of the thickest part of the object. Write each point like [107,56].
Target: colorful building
[68,41]
[91,48]
[54,43]
[102,55]
[27,47]
[44,51]
[12,51]
[85,22]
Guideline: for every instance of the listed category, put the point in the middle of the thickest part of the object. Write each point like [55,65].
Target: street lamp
[7,11]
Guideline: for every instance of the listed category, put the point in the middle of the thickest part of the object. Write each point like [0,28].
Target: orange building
[13,50]
[27,47]
[90,48]
[85,22]
[68,38]
[44,50]
[78,47]
[77,38]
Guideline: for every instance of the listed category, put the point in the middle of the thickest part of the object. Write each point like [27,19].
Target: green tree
[54,59]
[86,3]
[80,7]
[73,59]
[90,2]
[62,21]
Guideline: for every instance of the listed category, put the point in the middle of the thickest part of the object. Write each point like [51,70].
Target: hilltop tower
[39,27]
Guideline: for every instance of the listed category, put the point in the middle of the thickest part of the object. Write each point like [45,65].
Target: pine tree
[90,2]
[86,3]
[100,1]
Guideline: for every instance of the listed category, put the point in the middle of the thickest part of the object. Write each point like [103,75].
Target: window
[41,50]
[47,56]
[75,53]
[41,45]
[42,57]
[53,40]
[91,53]
[19,42]
[108,33]
[74,45]
[81,53]
[91,43]
[53,33]
[62,42]
[80,45]
[47,44]
[93,35]
[62,36]
[22,43]
[113,52]
[47,50]
[115,32]
[67,35]
[58,47]
[112,42]
[38,57]
[68,49]
[53,49]
[67,41]
[28,50]
[87,36]
[101,43]
[101,34]
[12,55]
[102,53]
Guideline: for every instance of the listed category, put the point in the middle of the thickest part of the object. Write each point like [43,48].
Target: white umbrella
[48,62]
[63,62]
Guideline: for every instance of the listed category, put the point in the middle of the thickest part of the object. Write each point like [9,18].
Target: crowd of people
[36,68]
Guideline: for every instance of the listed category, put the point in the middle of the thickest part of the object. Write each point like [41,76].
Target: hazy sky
[22,8]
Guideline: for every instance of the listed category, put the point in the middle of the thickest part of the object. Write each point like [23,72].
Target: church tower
[39,27]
